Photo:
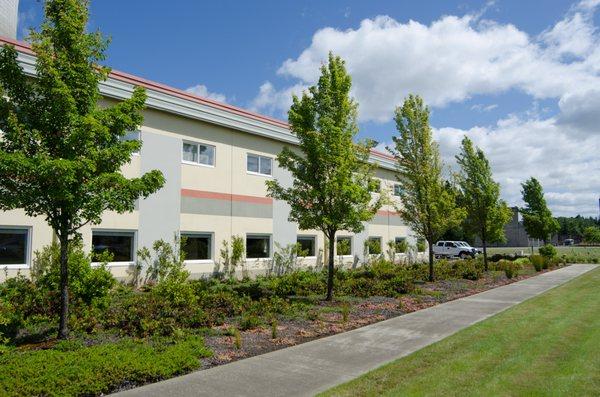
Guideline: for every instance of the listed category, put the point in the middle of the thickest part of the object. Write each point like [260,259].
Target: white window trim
[211,248]
[198,146]
[259,173]
[133,248]
[28,246]
[314,237]
[269,236]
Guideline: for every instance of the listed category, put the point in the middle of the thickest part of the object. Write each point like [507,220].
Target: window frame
[28,238]
[198,144]
[337,238]
[211,246]
[109,232]
[307,237]
[260,158]
[269,236]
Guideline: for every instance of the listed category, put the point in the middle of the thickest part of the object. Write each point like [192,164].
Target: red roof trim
[135,80]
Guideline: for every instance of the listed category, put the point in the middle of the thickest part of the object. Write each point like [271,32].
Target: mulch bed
[362,312]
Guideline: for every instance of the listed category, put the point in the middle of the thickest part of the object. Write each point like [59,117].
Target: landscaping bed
[123,336]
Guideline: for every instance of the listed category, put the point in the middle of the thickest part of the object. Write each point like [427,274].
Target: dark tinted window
[307,245]
[375,245]
[344,246]
[258,247]
[197,246]
[120,245]
[13,246]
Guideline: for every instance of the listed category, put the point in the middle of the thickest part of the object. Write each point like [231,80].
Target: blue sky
[255,54]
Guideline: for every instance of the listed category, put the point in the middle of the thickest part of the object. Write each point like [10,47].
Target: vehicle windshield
[464,243]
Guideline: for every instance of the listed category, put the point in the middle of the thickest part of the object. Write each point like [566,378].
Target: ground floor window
[119,244]
[374,245]
[401,245]
[13,246]
[197,246]
[307,245]
[258,246]
[344,245]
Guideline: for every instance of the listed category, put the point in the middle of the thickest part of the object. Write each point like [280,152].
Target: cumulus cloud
[520,148]
[450,60]
[457,57]
[202,90]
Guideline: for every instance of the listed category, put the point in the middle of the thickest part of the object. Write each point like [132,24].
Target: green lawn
[562,250]
[547,346]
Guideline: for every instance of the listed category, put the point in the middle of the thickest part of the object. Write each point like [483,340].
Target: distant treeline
[575,227]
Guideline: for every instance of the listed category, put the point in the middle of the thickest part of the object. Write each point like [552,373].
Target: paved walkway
[306,369]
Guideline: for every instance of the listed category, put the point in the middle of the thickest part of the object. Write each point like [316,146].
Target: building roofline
[119,85]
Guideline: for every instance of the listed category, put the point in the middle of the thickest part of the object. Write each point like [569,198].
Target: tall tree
[479,195]
[537,217]
[428,205]
[61,154]
[331,175]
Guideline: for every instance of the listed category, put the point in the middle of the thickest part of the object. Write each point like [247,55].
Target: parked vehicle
[452,249]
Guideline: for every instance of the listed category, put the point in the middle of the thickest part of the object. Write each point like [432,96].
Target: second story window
[259,164]
[198,153]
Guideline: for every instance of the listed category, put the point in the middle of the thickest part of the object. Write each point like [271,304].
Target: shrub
[511,268]
[421,246]
[538,262]
[249,321]
[548,251]
[78,370]
[469,269]
[402,246]
[88,285]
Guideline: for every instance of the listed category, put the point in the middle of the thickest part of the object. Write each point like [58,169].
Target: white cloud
[202,91]
[273,101]
[482,108]
[457,57]
[517,148]
[450,60]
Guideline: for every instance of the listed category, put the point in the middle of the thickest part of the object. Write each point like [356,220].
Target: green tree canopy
[479,195]
[428,205]
[331,173]
[60,152]
[537,217]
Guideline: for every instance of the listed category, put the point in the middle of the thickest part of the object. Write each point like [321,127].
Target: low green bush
[538,262]
[548,251]
[510,268]
[73,369]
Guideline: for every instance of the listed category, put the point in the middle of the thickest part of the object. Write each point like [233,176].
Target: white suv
[450,249]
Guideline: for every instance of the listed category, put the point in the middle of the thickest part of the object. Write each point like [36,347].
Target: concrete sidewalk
[306,369]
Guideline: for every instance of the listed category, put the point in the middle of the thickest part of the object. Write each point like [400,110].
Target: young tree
[332,175]
[479,195]
[537,217]
[428,206]
[60,153]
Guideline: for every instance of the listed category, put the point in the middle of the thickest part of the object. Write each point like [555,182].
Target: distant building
[516,235]
[8,18]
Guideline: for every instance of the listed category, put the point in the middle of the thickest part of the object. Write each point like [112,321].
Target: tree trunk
[330,267]
[63,330]
[485,259]
[431,275]
[484,243]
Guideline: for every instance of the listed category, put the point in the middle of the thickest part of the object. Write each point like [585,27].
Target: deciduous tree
[428,206]
[60,152]
[331,174]
[479,195]
[537,217]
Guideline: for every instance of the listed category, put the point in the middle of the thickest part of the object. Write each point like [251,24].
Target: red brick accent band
[226,196]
